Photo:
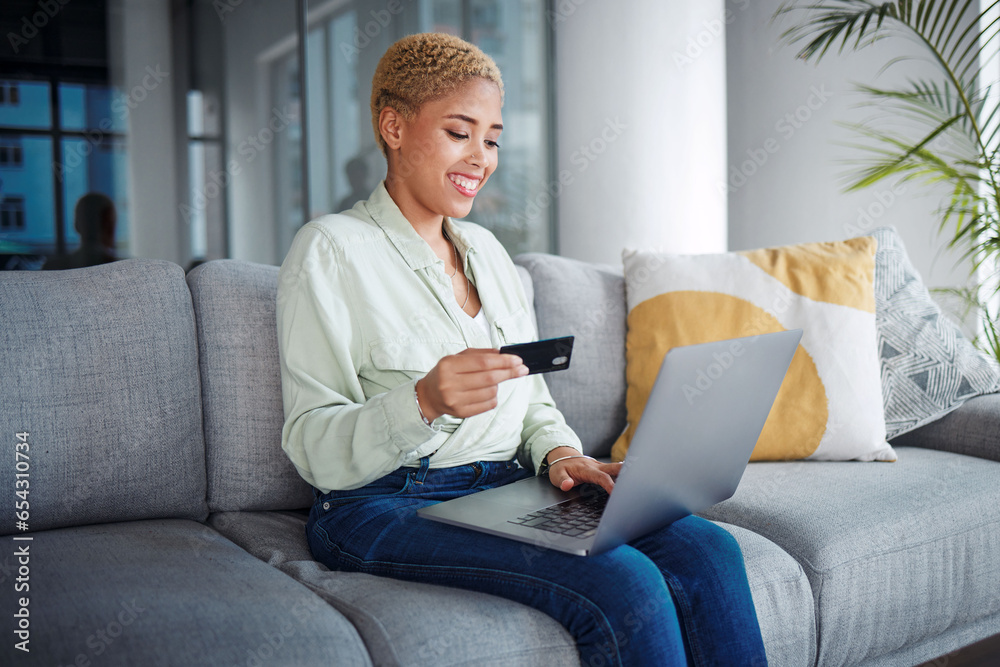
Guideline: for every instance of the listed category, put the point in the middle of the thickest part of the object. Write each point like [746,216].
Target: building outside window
[12,213]
[9,93]
[11,152]
[54,148]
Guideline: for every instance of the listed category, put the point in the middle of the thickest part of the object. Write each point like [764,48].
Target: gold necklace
[468,285]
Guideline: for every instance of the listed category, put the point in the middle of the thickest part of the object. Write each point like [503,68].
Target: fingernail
[522,370]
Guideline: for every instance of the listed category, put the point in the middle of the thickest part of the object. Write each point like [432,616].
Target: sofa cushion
[101,371]
[406,623]
[782,598]
[896,552]
[586,301]
[170,592]
[381,608]
[971,429]
[234,304]
[928,367]
[940,650]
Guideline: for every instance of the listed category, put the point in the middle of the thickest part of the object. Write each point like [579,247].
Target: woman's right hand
[465,384]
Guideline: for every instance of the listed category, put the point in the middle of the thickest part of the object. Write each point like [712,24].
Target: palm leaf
[954,121]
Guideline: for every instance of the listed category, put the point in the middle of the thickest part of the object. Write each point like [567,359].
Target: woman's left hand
[571,472]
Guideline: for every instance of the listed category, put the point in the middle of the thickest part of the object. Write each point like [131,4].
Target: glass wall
[198,120]
[345,42]
[65,131]
[59,140]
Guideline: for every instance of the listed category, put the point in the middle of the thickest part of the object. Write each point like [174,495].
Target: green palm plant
[944,130]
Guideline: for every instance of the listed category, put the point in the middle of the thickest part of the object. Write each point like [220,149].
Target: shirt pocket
[515,327]
[396,361]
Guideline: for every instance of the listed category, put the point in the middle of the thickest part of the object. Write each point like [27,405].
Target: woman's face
[446,153]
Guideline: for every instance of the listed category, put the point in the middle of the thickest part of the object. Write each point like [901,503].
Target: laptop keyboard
[576,517]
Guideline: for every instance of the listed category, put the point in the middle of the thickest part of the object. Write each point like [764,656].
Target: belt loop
[425,465]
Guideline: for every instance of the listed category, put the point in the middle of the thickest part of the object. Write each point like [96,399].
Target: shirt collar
[411,246]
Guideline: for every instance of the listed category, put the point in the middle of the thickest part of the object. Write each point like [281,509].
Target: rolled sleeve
[409,432]
[335,437]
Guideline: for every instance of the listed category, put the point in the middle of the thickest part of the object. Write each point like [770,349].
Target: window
[207,176]
[12,213]
[55,149]
[11,152]
[63,126]
[344,42]
[9,93]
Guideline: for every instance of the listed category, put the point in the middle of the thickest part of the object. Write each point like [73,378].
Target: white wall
[143,69]
[785,165]
[643,85]
[251,29]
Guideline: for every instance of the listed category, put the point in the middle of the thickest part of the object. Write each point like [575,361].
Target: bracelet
[547,465]
[416,399]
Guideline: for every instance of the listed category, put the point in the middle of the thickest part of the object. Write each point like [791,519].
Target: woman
[395,396]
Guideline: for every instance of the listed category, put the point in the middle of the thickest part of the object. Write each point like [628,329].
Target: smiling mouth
[467,186]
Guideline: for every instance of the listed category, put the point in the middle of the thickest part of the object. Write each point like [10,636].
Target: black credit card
[543,356]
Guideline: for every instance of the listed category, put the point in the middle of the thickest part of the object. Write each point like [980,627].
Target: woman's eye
[492,144]
[457,135]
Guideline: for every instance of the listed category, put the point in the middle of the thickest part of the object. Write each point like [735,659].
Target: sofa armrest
[973,429]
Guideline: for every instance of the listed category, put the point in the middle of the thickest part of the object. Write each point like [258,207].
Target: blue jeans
[676,596]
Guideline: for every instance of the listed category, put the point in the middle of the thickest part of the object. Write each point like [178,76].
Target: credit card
[543,356]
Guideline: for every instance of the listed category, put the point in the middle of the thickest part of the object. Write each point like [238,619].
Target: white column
[641,126]
[144,74]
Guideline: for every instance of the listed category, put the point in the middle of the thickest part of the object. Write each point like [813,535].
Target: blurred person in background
[94,219]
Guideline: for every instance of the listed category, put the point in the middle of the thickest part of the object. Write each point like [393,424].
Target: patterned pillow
[928,367]
[830,404]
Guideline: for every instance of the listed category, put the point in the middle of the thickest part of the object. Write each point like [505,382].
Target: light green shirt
[365,309]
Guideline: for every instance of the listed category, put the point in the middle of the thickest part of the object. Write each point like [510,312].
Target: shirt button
[326,506]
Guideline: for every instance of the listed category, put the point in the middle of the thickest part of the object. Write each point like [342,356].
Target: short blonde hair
[419,68]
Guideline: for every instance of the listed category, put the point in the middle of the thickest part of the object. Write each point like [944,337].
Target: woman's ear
[390,125]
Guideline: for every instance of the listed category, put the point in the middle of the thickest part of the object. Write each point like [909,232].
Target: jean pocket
[394,484]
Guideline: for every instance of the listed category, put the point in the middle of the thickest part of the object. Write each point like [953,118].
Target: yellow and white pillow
[830,404]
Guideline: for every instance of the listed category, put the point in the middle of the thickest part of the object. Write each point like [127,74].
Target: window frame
[57,134]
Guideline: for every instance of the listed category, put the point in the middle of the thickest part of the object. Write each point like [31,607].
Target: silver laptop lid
[709,404]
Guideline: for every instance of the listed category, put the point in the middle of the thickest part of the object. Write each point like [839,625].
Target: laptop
[701,422]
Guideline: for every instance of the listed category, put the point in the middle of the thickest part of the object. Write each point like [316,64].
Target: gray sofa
[166,524]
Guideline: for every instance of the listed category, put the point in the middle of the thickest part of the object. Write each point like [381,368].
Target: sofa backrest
[100,369]
[234,303]
[247,470]
[586,301]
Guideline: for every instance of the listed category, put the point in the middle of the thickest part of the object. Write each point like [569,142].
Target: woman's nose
[478,158]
